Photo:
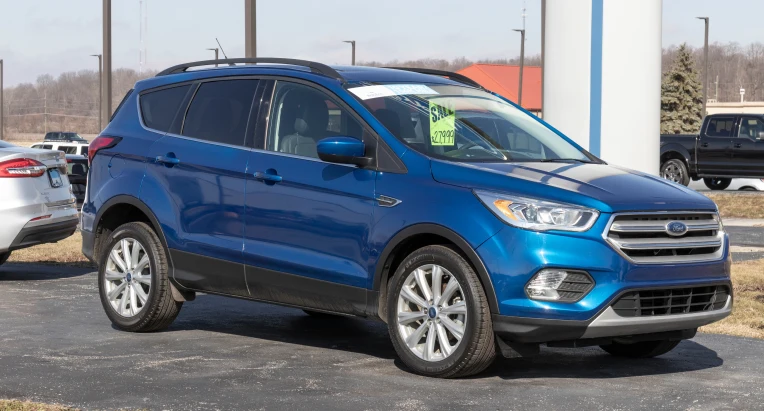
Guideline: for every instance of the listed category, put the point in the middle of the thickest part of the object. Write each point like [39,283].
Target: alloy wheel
[128,277]
[673,172]
[431,313]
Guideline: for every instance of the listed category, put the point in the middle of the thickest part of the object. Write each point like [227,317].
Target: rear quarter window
[159,108]
[220,111]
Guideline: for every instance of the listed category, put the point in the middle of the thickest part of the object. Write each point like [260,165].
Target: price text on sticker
[442,125]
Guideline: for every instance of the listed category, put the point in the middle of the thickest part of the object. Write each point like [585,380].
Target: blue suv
[410,196]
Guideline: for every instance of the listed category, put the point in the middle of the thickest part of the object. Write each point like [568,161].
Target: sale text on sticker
[442,125]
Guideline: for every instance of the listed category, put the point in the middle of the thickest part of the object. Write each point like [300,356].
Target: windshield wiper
[564,160]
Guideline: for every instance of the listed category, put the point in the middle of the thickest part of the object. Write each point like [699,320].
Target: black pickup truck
[728,146]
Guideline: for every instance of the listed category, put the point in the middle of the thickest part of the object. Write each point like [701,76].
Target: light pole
[106,64]
[705,67]
[352,43]
[216,50]
[250,28]
[2,106]
[522,67]
[100,95]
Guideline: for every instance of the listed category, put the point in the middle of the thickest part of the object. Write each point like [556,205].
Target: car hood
[604,187]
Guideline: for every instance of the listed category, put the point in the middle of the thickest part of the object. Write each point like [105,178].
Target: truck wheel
[644,349]
[717,183]
[4,257]
[675,170]
[438,315]
[133,280]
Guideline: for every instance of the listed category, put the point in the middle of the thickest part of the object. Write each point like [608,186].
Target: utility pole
[106,64]
[2,105]
[522,67]
[100,95]
[250,28]
[216,50]
[45,107]
[352,58]
[705,67]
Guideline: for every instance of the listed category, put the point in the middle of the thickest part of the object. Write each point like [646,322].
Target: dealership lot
[58,346]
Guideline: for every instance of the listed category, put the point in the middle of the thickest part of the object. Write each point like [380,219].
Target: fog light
[559,285]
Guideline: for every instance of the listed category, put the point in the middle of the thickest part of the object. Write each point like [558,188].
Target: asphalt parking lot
[58,346]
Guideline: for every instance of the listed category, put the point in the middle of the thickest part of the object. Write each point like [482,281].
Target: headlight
[538,215]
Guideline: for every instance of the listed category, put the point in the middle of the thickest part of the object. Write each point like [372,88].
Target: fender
[133,201]
[444,232]
[682,151]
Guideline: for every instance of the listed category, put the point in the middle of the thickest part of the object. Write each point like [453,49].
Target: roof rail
[460,78]
[312,65]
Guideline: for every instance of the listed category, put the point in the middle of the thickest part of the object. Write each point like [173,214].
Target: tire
[159,309]
[717,183]
[644,349]
[4,257]
[476,349]
[675,170]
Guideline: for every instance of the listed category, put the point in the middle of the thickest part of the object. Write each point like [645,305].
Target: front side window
[159,108]
[301,116]
[720,127]
[220,111]
[464,124]
[751,127]
[68,149]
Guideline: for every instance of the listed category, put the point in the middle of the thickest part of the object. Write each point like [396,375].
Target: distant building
[503,79]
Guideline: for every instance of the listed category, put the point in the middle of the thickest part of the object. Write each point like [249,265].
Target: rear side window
[720,127]
[220,110]
[84,151]
[159,108]
[68,149]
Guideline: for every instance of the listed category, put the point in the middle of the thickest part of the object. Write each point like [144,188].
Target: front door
[202,170]
[715,147]
[307,221]
[748,147]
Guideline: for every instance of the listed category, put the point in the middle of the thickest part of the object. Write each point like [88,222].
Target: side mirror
[343,150]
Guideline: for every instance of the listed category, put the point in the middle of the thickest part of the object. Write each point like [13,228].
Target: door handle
[168,160]
[738,145]
[704,145]
[268,177]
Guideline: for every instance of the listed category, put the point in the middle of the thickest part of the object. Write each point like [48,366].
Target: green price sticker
[442,125]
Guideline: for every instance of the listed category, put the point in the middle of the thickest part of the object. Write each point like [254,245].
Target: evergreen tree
[681,96]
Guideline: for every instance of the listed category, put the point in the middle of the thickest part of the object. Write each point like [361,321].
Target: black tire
[161,309]
[644,349]
[477,349]
[4,257]
[717,183]
[675,170]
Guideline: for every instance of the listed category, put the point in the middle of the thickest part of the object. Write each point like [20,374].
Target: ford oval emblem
[676,228]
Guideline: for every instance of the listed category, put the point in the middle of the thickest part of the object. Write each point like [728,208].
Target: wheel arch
[676,151]
[417,236]
[125,203]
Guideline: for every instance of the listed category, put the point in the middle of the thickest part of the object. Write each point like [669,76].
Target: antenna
[221,48]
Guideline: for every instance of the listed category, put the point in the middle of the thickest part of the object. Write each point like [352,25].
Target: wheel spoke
[414,338]
[451,288]
[135,255]
[437,283]
[142,264]
[455,329]
[406,317]
[458,308]
[126,254]
[133,300]
[432,336]
[445,346]
[114,293]
[114,276]
[408,294]
[138,291]
[123,302]
[421,281]
[117,259]
[143,279]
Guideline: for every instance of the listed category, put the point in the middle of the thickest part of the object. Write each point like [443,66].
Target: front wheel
[438,315]
[644,349]
[133,280]
[717,183]
[675,170]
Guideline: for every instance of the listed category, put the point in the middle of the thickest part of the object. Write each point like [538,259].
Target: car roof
[351,74]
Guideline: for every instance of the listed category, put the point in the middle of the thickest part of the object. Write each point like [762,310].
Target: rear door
[201,166]
[748,147]
[715,146]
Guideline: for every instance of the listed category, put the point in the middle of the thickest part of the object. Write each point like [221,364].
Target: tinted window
[68,149]
[720,127]
[84,151]
[220,110]
[160,107]
[751,127]
[301,116]
[77,168]
[47,146]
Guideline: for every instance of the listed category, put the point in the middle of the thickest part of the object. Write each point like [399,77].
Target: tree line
[70,101]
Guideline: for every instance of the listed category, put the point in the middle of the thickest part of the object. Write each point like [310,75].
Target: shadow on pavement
[40,272]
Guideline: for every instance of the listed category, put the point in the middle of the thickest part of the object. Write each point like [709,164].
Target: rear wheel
[717,183]
[644,349]
[133,280]
[675,170]
[4,257]
[438,315]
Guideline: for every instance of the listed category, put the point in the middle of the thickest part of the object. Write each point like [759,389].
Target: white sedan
[743,184]
[36,201]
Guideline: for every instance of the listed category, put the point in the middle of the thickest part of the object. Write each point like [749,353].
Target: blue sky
[53,36]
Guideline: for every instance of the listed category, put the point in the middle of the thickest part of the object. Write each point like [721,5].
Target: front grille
[649,303]
[644,237]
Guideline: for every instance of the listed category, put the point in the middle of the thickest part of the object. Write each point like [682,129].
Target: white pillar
[602,77]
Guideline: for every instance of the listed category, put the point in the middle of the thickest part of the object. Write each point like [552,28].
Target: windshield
[463,124]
